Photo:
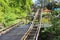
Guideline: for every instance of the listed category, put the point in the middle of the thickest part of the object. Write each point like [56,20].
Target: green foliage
[55,28]
[10,10]
[56,12]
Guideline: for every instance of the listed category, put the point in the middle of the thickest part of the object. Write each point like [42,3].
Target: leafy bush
[10,10]
[54,30]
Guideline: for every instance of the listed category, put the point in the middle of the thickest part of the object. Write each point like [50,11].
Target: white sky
[57,0]
[34,1]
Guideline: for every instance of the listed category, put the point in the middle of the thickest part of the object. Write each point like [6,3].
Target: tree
[13,9]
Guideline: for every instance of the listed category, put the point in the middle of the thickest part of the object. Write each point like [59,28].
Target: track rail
[33,31]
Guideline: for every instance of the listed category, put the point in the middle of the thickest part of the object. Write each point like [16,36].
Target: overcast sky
[34,1]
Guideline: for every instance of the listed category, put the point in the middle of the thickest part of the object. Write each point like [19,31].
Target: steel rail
[31,29]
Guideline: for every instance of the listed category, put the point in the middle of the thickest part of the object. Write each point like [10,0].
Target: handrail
[27,33]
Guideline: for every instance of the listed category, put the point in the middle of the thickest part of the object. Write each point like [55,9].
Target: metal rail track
[33,31]
[32,34]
